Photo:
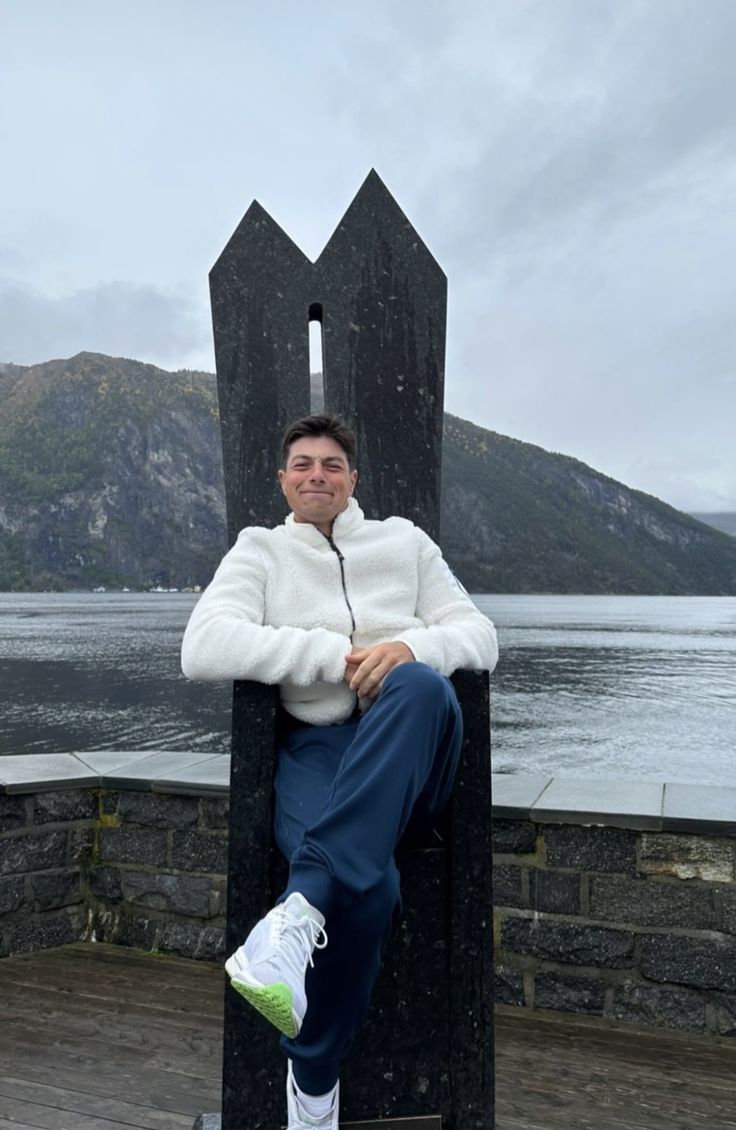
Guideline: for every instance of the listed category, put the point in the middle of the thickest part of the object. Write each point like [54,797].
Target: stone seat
[427,1043]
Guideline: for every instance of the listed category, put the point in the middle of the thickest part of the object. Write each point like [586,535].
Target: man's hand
[368,666]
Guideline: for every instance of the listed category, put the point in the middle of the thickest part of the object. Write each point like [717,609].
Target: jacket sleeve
[227,639]
[456,634]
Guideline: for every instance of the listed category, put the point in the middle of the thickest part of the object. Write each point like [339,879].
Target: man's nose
[317,472]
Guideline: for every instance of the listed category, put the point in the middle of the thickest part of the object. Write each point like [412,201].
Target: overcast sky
[570,163]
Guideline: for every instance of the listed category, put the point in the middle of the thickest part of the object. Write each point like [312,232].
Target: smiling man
[359,623]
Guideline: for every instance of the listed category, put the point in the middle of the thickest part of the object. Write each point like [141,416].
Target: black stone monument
[424,1057]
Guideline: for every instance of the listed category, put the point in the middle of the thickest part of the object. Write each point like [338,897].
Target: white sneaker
[298,1117]
[269,968]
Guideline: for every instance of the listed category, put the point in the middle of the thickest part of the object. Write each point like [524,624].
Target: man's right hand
[368,666]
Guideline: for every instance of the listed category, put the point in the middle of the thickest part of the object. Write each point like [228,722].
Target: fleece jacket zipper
[341,559]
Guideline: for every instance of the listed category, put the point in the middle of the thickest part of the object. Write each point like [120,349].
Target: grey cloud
[116,318]
[550,114]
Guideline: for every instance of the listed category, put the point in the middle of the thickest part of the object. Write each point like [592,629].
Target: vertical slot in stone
[316,363]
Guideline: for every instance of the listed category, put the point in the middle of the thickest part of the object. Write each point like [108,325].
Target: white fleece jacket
[277,610]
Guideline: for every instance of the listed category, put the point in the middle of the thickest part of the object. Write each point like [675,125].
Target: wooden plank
[553,1072]
[47,1002]
[154,964]
[5,1125]
[49,1118]
[77,1102]
[182,1002]
[101,1051]
[186,1094]
[104,971]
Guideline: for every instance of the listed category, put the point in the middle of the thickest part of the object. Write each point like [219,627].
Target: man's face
[317,480]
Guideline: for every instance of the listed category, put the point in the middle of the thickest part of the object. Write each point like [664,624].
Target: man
[359,622]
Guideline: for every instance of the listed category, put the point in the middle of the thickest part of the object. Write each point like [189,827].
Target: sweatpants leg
[340,984]
[402,759]
[351,791]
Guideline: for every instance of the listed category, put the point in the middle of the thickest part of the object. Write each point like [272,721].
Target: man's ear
[281,474]
[353,480]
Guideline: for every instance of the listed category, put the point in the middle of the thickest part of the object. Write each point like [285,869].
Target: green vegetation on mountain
[111,474]
[517,518]
[107,466]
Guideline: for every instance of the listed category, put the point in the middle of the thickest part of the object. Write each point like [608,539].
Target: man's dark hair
[331,426]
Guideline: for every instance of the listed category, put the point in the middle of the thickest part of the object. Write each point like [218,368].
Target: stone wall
[46,841]
[631,925]
[140,869]
[612,898]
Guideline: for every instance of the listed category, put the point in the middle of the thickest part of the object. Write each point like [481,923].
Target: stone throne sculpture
[425,1054]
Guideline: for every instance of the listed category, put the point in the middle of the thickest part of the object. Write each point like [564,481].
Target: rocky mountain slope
[110,474]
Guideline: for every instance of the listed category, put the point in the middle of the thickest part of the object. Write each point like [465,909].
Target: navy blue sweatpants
[345,795]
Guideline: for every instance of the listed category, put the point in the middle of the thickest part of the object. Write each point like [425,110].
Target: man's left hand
[368,666]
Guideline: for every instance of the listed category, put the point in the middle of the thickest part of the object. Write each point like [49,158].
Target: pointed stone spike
[260,316]
[257,232]
[384,314]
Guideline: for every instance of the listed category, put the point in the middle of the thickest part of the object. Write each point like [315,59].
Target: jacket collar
[347,521]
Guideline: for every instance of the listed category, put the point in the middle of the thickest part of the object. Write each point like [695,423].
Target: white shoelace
[297,938]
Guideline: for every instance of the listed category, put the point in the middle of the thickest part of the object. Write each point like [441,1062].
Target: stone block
[35,851]
[507,886]
[652,902]
[132,845]
[12,812]
[214,812]
[104,883]
[724,1015]
[509,986]
[47,933]
[54,890]
[110,801]
[590,849]
[554,892]
[158,810]
[687,857]
[12,895]
[187,940]
[208,1122]
[34,772]
[81,844]
[178,894]
[63,807]
[515,794]
[729,911]
[569,994]
[700,808]
[194,851]
[669,1008]
[570,943]
[703,963]
[600,801]
[512,837]
[137,933]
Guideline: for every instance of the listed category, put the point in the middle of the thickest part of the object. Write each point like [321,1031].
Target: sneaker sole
[272,1001]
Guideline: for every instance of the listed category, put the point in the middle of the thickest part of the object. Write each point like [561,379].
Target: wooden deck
[99,1038]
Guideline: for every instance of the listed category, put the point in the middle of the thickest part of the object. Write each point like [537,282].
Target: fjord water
[586,685]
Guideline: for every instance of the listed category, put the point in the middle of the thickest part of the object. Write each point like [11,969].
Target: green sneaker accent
[272,1001]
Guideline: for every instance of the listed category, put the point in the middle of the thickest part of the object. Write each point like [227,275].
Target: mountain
[720,520]
[111,474]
